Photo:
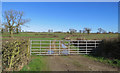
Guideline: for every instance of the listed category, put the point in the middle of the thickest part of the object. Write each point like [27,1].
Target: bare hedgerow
[15,55]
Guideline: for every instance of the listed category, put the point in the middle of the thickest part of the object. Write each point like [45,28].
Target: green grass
[113,62]
[42,38]
[47,43]
[95,36]
[38,63]
[61,36]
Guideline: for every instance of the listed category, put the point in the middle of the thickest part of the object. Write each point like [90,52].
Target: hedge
[15,54]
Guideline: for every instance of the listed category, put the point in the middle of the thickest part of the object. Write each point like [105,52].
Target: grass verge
[113,62]
[38,63]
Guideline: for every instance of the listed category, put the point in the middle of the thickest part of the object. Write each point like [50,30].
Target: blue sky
[62,16]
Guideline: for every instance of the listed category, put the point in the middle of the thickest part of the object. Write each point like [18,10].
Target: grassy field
[60,36]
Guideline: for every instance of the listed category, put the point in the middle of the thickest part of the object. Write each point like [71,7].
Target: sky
[62,16]
[60,0]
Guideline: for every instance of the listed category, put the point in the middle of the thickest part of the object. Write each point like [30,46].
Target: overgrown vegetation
[109,49]
[15,54]
[113,62]
[108,52]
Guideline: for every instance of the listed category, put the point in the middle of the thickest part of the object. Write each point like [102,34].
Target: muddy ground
[76,63]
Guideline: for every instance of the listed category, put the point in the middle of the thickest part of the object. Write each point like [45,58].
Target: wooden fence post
[30,46]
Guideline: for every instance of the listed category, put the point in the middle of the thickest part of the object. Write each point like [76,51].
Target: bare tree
[87,30]
[80,31]
[14,19]
[50,30]
[2,30]
[100,30]
[72,31]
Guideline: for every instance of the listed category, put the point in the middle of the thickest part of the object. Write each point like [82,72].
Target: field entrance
[63,47]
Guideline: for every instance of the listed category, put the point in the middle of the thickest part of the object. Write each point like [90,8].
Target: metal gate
[63,47]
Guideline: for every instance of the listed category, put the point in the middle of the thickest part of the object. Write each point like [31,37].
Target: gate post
[40,46]
[30,46]
[59,47]
[50,47]
[69,47]
[78,47]
[95,43]
[86,46]
[95,47]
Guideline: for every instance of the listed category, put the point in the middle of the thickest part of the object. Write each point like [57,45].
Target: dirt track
[76,63]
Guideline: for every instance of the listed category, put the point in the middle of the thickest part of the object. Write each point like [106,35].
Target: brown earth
[76,63]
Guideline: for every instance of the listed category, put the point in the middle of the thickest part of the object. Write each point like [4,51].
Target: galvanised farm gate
[63,47]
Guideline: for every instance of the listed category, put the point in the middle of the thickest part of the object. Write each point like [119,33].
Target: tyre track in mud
[76,63]
[91,64]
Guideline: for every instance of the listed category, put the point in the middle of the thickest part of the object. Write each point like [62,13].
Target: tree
[72,31]
[87,30]
[83,31]
[6,29]
[14,19]
[80,31]
[100,30]
[50,30]
[2,30]
[67,31]
[19,29]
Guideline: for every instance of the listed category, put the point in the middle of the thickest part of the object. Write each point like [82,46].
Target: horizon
[62,16]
